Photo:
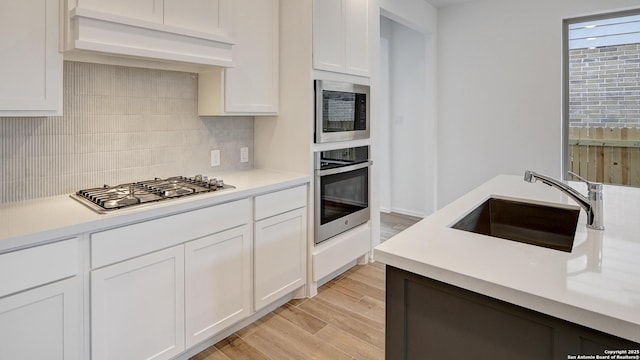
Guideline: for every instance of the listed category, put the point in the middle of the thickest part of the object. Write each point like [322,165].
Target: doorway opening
[404,170]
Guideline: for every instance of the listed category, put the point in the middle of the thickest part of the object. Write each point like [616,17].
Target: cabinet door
[137,307]
[218,282]
[357,36]
[205,16]
[42,323]
[252,86]
[145,10]
[30,65]
[328,35]
[279,255]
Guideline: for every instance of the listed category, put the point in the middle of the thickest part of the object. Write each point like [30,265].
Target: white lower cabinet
[40,304]
[218,282]
[42,323]
[137,307]
[155,304]
[279,245]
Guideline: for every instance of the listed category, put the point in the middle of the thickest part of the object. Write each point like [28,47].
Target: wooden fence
[607,155]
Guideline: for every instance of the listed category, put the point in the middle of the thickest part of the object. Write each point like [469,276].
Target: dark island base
[428,319]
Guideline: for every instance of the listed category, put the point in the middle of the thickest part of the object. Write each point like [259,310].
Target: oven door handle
[343,169]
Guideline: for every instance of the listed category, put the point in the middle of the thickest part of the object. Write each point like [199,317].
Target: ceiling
[444,3]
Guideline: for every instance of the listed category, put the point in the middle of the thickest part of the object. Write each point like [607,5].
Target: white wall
[420,16]
[499,90]
[284,142]
[416,14]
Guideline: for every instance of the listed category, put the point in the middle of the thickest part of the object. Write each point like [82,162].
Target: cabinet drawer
[126,242]
[24,269]
[280,202]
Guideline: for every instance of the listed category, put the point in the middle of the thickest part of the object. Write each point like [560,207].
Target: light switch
[215,157]
[244,154]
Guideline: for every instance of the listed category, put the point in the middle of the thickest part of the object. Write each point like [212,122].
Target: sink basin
[542,225]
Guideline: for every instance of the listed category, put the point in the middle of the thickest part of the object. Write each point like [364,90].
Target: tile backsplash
[120,124]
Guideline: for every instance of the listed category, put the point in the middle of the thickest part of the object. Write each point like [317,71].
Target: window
[602,98]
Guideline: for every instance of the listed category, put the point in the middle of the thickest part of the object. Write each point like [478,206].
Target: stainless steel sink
[542,225]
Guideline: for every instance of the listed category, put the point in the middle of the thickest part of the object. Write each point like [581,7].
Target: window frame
[565,76]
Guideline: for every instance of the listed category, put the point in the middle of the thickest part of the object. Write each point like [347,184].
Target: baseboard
[334,274]
[408,212]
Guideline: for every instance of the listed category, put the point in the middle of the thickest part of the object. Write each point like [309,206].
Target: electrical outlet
[244,154]
[215,157]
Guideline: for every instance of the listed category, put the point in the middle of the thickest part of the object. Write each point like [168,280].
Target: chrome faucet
[592,203]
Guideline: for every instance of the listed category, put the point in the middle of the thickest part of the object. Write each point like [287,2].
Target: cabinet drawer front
[280,202]
[24,269]
[126,242]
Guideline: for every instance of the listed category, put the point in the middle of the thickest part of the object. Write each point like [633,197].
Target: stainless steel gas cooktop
[109,198]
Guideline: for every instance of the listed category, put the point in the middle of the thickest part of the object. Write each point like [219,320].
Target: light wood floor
[392,223]
[344,321]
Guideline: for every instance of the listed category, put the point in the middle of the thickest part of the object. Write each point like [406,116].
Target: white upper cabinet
[188,31]
[328,35]
[357,36]
[31,64]
[341,36]
[252,86]
[198,15]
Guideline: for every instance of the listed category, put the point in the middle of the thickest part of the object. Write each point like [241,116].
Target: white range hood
[175,34]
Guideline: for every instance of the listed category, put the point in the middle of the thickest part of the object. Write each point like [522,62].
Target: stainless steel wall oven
[341,190]
[342,111]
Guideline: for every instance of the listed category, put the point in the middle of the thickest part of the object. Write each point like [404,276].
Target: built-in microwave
[342,111]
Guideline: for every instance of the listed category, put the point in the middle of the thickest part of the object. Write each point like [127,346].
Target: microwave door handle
[344,168]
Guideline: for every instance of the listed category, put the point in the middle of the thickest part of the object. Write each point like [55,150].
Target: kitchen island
[595,286]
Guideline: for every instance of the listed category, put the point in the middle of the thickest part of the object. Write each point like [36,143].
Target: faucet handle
[591,185]
[581,178]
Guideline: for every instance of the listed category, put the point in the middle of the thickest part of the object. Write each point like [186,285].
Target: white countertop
[27,223]
[596,285]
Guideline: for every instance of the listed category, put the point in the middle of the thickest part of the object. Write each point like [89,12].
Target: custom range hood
[188,33]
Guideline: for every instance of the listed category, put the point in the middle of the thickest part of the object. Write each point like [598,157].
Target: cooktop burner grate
[109,198]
